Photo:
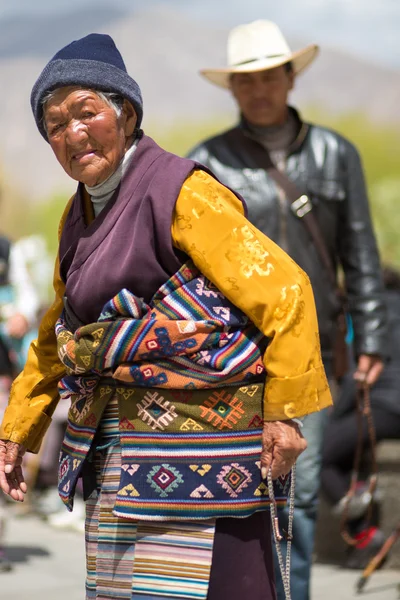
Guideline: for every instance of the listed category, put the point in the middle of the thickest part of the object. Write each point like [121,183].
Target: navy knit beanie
[92,62]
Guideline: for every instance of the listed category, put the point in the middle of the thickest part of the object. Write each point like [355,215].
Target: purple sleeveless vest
[129,244]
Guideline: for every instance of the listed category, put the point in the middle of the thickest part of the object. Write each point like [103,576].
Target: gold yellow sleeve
[34,394]
[265,283]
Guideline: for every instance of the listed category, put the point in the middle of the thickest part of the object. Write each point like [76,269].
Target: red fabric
[365,537]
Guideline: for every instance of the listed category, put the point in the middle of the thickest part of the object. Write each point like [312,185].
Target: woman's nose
[76,131]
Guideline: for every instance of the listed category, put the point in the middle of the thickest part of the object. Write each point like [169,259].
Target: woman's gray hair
[114,100]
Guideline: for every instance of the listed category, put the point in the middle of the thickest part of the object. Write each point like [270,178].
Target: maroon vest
[129,244]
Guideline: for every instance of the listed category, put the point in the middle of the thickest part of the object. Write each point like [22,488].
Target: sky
[368,28]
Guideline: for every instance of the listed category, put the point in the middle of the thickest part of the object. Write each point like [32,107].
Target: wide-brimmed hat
[259,46]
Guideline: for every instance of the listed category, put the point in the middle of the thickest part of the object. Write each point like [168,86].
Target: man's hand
[369,368]
[282,444]
[17,326]
[11,477]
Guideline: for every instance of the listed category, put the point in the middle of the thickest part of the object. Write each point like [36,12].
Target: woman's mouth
[84,156]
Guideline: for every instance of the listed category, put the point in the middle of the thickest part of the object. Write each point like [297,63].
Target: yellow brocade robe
[248,268]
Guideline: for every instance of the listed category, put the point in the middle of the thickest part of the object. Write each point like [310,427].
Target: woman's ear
[130,118]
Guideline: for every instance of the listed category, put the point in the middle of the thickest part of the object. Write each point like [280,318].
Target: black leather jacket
[326,167]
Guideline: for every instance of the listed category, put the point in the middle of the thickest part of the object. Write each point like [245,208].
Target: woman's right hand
[11,477]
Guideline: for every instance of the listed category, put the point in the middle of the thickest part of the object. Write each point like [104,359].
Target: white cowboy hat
[259,46]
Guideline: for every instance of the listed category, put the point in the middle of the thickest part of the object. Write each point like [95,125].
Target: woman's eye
[55,128]
[88,114]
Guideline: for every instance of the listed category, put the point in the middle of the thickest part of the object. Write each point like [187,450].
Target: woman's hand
[282,444]
[11,477]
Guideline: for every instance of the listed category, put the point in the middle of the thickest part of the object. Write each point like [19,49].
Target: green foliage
[182,137]
[385,200]
[14,214]
[45,219]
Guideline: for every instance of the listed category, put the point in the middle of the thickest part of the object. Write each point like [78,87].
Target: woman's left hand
[282,443]
[12,480]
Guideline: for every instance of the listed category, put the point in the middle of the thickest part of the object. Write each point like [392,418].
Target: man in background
[325,167]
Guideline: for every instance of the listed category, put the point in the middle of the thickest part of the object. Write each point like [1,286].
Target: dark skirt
[242,564]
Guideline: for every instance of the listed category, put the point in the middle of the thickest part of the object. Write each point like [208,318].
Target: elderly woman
[185,340]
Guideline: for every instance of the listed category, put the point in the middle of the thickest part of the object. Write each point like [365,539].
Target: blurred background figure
[341,439]
[304,188]
[19,304]
[39,265]
[30,274]
[43,471]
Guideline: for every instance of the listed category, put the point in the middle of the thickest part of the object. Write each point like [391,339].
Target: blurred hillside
[163,50]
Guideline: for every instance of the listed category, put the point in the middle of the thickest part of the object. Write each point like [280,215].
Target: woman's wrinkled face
[85,134]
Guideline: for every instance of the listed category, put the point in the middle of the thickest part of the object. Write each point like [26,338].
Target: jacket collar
[303,129]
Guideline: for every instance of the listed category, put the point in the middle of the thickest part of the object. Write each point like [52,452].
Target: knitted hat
[93,62]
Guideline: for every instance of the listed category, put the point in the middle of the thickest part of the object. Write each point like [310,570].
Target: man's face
[262,96]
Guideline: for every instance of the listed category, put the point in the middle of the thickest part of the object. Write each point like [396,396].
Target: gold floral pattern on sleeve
[265,283]
[199,258]
[208,200]
[290,310]
[233,286]
[249,253]
[184,222]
